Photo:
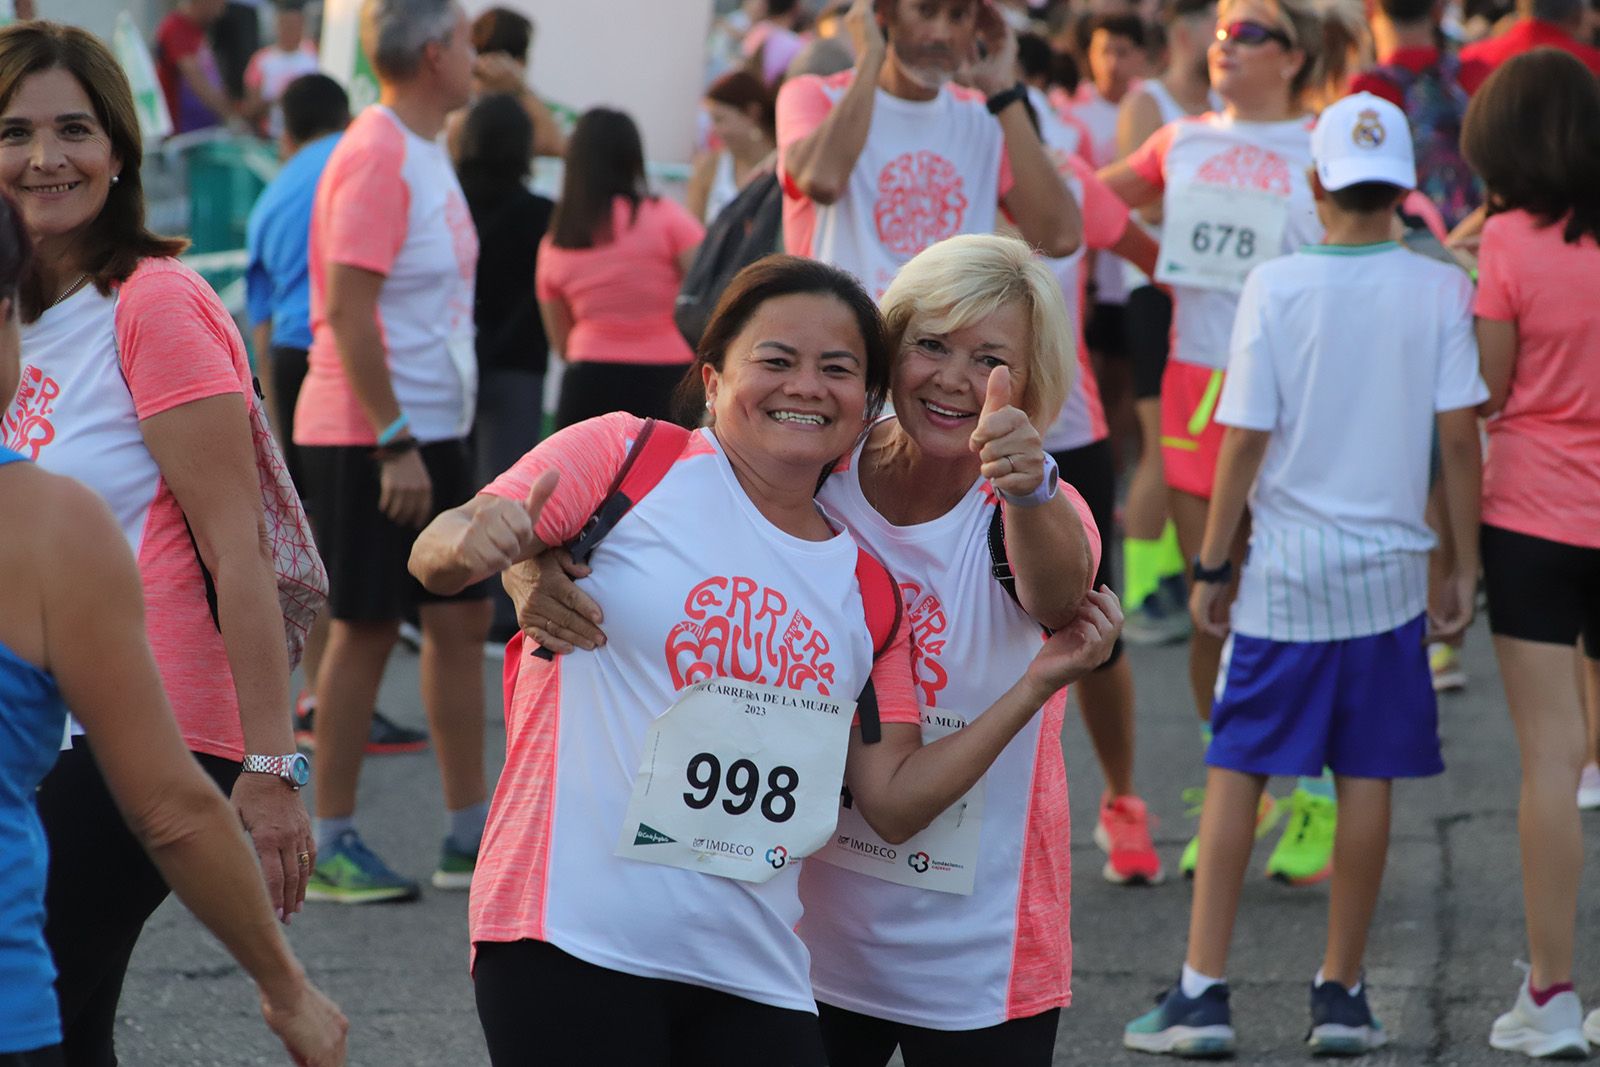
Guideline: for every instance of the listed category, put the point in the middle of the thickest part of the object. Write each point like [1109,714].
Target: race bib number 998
[738,780]
[1214,235]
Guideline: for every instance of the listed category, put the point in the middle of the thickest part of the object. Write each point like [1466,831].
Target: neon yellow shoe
[1268,812]
[1304,855]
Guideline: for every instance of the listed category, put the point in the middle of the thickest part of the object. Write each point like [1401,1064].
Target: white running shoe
[1589,794]
[1591,1026]
[1554,1031]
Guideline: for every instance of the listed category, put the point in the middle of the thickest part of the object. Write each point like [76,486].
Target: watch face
[299,769]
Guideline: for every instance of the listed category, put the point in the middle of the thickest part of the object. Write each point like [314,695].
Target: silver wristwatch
[294,768]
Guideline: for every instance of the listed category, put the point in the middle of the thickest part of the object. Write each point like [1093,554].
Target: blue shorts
[1363,707]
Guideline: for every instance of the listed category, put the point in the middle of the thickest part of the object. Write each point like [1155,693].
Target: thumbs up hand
[501,532]
[1008,444]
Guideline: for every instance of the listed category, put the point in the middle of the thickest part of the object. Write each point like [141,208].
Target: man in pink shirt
[882,161]
[1544,23]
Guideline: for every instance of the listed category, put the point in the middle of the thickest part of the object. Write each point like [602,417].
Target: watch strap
[1005,98]
[1212,575]
[1046,490]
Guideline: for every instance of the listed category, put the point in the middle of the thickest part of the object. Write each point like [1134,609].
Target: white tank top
[724,187]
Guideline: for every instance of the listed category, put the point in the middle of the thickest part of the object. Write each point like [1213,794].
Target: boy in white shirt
[1342,356]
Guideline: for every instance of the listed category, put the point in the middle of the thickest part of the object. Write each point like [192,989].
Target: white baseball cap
[1363,138]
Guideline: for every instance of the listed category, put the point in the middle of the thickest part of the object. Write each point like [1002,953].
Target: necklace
[73,288]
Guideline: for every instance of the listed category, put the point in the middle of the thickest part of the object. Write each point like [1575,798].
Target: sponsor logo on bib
[918,861]
[649,835]
[777,855]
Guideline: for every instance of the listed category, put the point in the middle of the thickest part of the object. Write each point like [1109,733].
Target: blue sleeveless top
[32,718]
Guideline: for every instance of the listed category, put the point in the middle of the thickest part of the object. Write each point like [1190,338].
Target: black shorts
[364,551]
[1091,472]
[537,1004]
[49,1056]
[1104,331]
[288,375]
[1541,590]
[1148,330]
[856,1040]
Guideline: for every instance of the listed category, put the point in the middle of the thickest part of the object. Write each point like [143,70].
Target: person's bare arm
[698,192]
[1138,117]
[1129,187]
[901,785]
[1497,358]
[1238,463]
[558,322]
[261,345]
[820,163]
[405,490]
[548,140]
[1139,248]
[207,459]
[95,646]
[212,96]
[479,539]
[1461,472]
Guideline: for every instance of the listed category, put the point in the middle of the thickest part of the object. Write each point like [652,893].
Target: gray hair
[394,33]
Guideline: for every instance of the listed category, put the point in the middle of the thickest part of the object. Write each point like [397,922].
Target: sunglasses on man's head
[1252,33]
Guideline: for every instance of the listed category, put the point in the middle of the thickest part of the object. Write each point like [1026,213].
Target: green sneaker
[1268,812]
[1304,855]
[351,873]
[455,867]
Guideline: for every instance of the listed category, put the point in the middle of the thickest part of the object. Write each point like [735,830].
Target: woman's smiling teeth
[805,418]
[949,413]
[62,188]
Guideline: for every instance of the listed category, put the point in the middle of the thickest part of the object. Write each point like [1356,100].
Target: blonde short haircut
[960,280]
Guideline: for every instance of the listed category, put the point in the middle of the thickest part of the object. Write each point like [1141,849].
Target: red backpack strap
[651,456]
[654,451]
[880,599]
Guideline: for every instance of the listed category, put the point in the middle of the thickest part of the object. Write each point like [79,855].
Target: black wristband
[396,448]
[1005,98]
[1218,575]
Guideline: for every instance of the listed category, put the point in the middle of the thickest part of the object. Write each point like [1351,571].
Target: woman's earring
[115,178]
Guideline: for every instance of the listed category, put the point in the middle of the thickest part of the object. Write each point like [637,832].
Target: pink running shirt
[942,960]
[694,583]
[621,295]
[389,203]
[93,368]
[1542,474]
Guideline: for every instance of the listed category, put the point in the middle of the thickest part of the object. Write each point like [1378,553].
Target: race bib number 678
[1213,235]
[738,780]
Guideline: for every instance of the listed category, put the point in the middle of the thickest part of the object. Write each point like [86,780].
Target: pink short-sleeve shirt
[1542,474]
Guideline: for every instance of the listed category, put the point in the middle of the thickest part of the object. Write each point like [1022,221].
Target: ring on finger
[305,859]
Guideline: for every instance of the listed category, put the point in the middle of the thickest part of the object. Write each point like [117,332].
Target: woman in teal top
[72,634]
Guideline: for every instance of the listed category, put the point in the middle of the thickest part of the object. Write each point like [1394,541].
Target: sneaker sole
[1191,1042]
[1304,880]
[452,881]
[363,896]
[1102,840]
[1334,1039]
[1562,1045]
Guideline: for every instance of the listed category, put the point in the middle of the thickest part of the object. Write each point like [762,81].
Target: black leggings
[1091,471]
[539,1005]
[590,389]
[855,1040]
[101,889]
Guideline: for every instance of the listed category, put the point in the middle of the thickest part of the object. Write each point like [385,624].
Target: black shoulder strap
[999,564]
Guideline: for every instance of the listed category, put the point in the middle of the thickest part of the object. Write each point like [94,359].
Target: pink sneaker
[1123,833]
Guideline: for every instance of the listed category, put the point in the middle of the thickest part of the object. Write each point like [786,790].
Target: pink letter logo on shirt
[1246,166]
[928,624]
[920,202]
[738,628]
[27,425]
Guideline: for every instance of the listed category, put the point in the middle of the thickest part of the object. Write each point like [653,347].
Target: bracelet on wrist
[387,435]
[395,449]
[1005,98]
[1218,575]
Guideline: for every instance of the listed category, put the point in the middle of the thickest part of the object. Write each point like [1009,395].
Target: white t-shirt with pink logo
[389,203]
[929,170]
[943,960]
[1215,150]
[695,583]
[94,367]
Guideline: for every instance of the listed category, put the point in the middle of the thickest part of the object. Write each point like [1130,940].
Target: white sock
[1353,989]
[1194,984]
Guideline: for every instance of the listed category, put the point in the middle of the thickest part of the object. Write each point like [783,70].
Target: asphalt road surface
[1439,967]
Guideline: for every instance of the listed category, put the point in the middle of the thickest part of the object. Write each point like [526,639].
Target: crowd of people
[1266,314]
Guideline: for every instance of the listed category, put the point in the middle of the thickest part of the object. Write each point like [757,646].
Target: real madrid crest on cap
[1368,132]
